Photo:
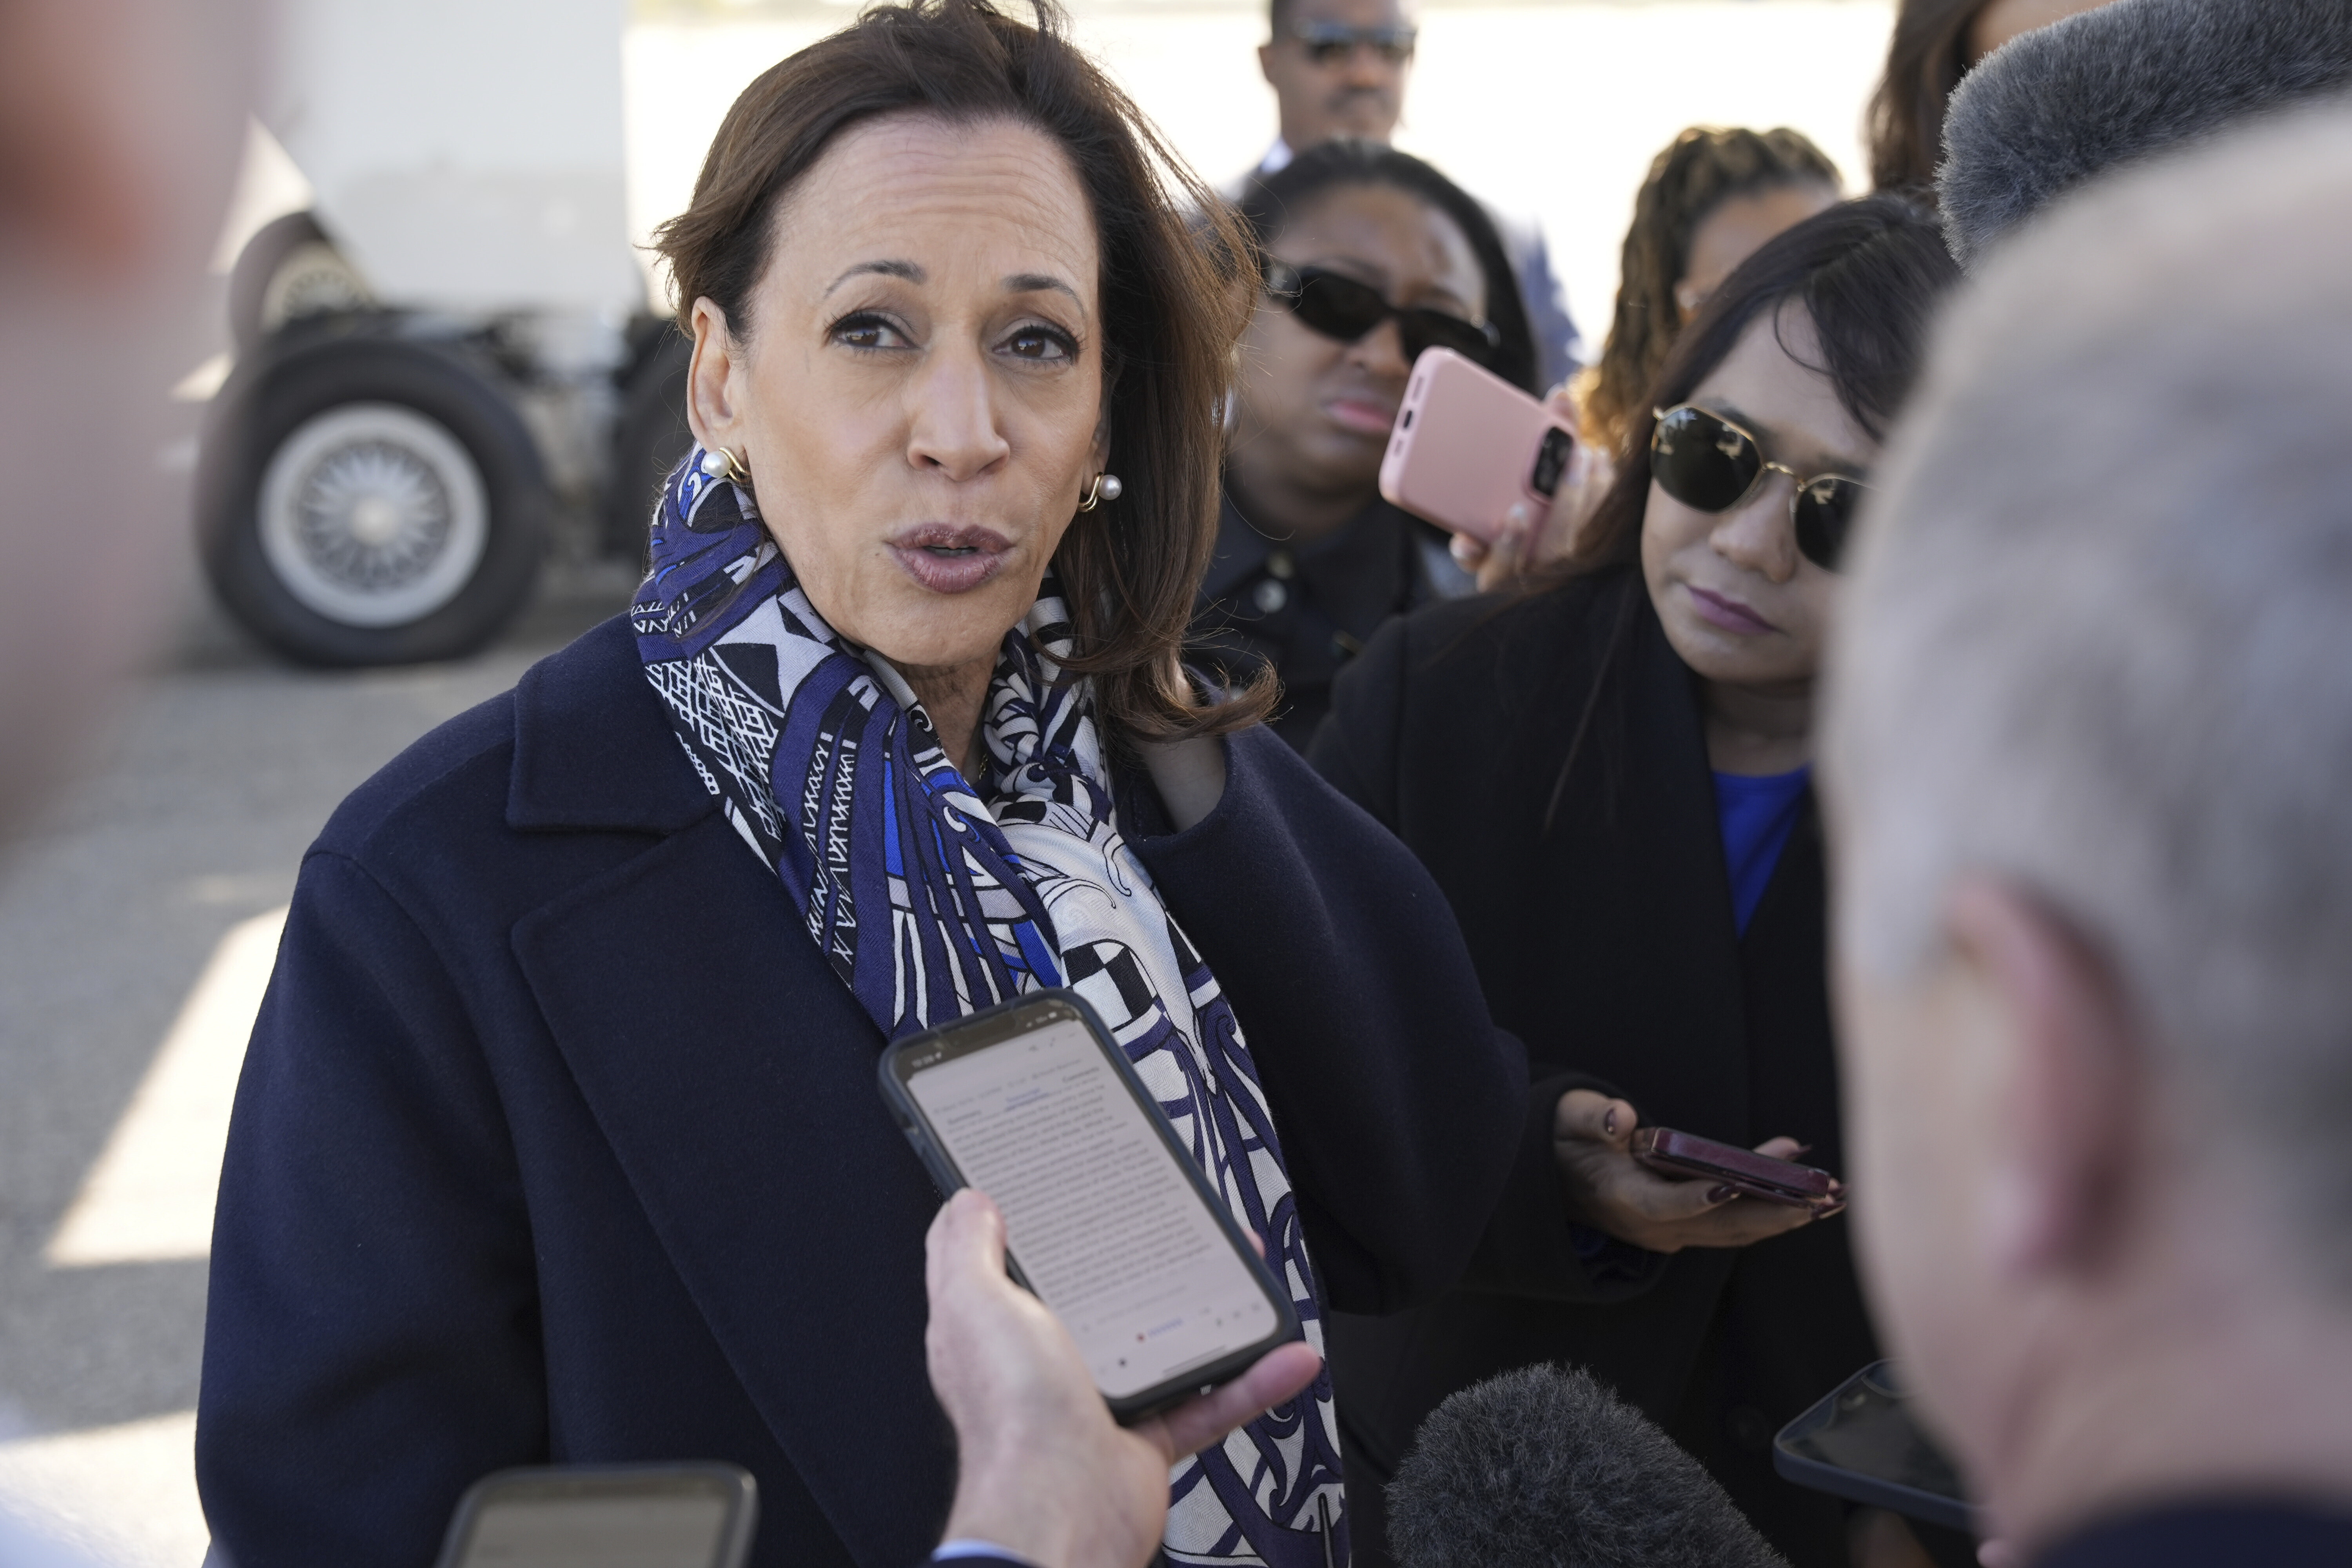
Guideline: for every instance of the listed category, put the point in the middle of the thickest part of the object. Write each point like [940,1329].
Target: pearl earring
[1106,487]
[719,463]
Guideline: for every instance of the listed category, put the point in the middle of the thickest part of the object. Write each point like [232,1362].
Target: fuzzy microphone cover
[2056,107]
[1546,1469]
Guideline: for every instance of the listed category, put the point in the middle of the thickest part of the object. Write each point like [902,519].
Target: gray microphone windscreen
[1546,1469]
[2059,105]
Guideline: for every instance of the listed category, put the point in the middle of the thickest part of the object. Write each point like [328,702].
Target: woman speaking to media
[559,1136]
[1609,777]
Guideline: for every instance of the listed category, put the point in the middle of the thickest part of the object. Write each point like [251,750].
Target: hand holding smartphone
[1689,1157]
[1107,1218]
[1467,446]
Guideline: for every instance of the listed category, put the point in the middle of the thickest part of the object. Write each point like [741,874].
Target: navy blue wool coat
[559,1141]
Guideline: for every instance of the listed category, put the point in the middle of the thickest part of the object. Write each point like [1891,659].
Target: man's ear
[714,381]
[2073,1094]
[1265,64]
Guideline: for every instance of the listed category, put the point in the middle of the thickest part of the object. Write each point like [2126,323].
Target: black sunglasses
[1705,461]
[1329,43]
[1345,308]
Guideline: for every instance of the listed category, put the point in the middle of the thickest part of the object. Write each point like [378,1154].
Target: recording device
[1543,1468]
[1686,1156]
[1107,1218]
[1861,1444]
[1467,446]
[600,1516]
[2056,106]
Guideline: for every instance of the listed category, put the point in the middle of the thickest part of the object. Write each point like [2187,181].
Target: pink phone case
[1469,445]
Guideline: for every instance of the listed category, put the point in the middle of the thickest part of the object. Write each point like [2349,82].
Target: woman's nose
[1759,535]
[953,425]
[1380,352]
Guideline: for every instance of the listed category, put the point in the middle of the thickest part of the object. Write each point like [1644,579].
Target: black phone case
[948,1179]
[1865,1415]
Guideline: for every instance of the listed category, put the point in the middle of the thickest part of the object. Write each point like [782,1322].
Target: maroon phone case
[1686,1154]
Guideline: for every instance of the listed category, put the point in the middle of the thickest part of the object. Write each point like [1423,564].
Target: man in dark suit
[1339,68]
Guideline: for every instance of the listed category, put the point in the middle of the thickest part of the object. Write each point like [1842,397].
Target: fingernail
[1802,1149]
[1719,1194]
[1835,1208]
[1609,1121]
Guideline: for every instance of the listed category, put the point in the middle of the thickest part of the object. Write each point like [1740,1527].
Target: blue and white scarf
[932,899]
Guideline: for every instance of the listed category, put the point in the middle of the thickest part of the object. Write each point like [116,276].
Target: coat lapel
[1636,838]
[734,1078]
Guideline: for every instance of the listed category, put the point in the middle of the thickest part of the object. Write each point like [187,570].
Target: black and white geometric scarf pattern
[933,896]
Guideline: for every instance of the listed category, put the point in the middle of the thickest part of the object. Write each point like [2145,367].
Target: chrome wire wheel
[371,514]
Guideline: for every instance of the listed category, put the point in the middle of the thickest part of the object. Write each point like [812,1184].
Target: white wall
[1553,111]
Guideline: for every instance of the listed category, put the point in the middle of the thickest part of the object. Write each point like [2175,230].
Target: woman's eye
[863,332]
[1041,343]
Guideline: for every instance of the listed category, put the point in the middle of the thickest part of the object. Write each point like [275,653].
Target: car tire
[287,270]
[648,439]
[368,500]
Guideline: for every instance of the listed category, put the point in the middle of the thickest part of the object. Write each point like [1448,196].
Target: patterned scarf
[932,899]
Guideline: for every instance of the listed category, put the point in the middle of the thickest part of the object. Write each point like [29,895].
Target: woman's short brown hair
[1172,309]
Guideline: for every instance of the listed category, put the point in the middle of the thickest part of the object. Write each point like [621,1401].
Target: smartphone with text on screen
[1107,1218]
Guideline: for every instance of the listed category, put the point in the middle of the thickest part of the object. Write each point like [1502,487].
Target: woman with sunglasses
[1608,776]
[1372,255]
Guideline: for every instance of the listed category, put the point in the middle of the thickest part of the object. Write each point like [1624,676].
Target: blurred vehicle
[448,367]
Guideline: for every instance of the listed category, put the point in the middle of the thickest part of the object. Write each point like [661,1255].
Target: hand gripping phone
[1861,1444]
[1687,1156]
[1467,446]
[1107,1218]
[606,1516]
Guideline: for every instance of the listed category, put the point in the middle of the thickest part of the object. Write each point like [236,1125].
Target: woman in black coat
[559,1137]
[1608,778]
[1372,255]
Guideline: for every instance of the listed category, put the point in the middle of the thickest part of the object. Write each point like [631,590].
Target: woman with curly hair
[1712,198]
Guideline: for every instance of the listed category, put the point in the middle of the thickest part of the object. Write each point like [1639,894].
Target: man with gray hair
[2087,748]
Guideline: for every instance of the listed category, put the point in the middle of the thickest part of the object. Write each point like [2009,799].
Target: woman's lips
[1729,613]
[949,560]
[1363,415]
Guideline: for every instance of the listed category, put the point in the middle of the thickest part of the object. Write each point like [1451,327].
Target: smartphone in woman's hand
[1467,446]
[1689,1157]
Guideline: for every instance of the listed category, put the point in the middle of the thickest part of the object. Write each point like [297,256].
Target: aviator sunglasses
[1703,460]
[1345,308]
[1329,43]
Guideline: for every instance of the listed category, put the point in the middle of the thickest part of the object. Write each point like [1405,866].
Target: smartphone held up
[1468,445]
[1107,1218]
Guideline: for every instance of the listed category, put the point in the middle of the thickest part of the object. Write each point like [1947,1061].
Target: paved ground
[110,916]
[135,923]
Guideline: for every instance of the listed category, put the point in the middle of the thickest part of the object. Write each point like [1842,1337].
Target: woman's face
[1319,409]
[1737,228]
[919,391]
[1740,603]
